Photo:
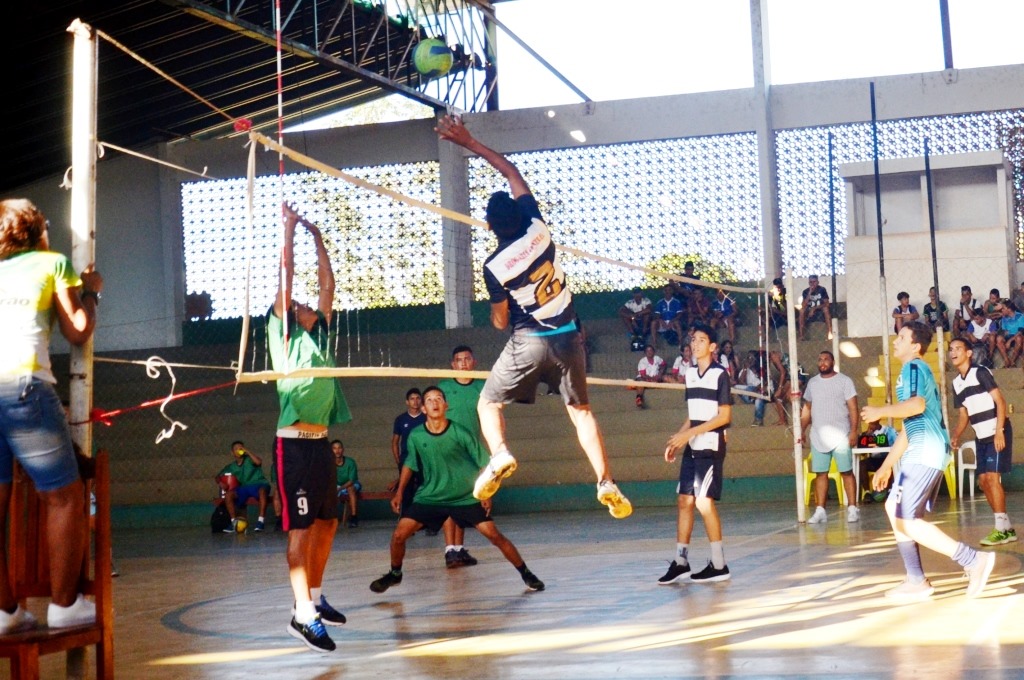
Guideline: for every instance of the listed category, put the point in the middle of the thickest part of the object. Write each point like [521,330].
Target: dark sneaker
[258,527]
[531,581]
[465,559]
[313,635]
[353,522]
[233,528]
[709,574]
[328,614]
[277,525]
[675,572]
[386,581]
[451,559]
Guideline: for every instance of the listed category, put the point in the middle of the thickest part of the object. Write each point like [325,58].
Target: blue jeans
[759,406]
[34,429]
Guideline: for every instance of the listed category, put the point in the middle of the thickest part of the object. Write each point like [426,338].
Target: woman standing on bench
[39,286]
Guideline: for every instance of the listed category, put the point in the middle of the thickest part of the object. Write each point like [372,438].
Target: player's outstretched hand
[452,129]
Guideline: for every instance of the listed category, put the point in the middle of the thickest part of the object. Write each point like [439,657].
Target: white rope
[148,362]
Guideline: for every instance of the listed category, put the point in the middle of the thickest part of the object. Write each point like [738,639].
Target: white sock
[682,553]
[260,518]
[717,554]
[314,594]
[305,611]
[1002,521]
[449,548]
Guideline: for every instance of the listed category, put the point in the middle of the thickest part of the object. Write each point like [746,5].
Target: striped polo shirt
[974,392]
[705,392]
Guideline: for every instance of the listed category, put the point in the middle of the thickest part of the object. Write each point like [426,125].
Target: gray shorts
[558,360]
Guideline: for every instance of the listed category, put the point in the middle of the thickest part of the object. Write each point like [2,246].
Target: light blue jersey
[926,433]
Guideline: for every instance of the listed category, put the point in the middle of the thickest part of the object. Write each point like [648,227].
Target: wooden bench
[363,496]
[28,564]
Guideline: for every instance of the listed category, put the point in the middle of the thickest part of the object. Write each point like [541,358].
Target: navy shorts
[433,516]
[701,477]
[915,490]
[527,360]
[990,460]
[306,481]
[244,493]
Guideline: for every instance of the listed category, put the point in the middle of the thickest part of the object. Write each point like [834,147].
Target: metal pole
[832,244]
[947,40]
[939,337]
[794,397]
[886,360]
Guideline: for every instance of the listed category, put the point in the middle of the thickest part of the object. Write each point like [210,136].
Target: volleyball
[241,525]
[432,58]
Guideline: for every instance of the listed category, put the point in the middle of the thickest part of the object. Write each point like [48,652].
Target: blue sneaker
[328,614]
[259,526]
[312,634]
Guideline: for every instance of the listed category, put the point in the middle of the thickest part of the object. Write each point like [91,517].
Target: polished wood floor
[804,601]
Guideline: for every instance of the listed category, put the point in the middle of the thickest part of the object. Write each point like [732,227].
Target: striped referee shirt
[974,392]
[704,394]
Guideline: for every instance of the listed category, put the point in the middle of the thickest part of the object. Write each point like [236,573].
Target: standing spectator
[780,393]
[964,311]
[814,305]
[982,333]
[404,423]
[301,450]
[922,451]
[242,479]
[991,307]
[668,317]
[979,401]
[651,368]
[830,409]
[636,315]
[346,474]
[42,286]
[677,374]
[701,440]
[935,311]
[903,312]
[462,395]
[723,313]
[1010,336]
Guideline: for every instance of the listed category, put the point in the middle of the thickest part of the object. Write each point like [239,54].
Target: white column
[766,167]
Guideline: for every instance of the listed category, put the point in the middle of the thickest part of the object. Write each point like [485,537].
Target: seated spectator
[1010,337]
[814,305]
[780,395]
[981,333]
[935,312]
[677,374]
[1018,297]
[240,480]
[695,305]
[651,368]
[874,431]
[668,319]
[777,303]
[903,312]
[723,313]
[965,311]
[990,308]
[347,477]
[727,357]
[636,315]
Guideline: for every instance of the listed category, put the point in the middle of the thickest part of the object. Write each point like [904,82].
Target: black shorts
[701,477]
[527,360]
[306,481]
[990,460]
[433,516]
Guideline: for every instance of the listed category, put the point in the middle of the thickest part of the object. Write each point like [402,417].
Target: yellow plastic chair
[950,474]
[833,474]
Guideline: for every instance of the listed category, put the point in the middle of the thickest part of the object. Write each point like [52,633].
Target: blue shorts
[244,493]
[914,491]
[990,460]
[821,461]
[34,430]
[701,477]
[344,492]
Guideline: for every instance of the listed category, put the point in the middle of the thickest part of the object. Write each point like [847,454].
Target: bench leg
[25,664]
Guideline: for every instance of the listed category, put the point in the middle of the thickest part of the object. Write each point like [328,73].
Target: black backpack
[220,519]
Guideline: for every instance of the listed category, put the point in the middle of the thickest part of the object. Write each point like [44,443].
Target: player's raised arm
[283,300]
[452,129]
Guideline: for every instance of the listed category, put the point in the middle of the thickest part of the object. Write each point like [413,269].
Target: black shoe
[531,581]
[313,635]
[328,614]
[709,574]
[386,581]
[465,559]
[277,524]
[451,559]
[675,572]
[353,522]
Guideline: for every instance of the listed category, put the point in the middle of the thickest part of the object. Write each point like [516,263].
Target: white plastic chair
[963,466]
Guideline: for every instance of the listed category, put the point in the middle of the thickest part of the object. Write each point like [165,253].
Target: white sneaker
[910,592]
[618,505]
[979,573]
[818,517]
[20,620]
[81,613]
[500,466]
[853,514]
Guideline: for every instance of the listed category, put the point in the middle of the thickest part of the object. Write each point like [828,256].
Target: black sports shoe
[675,572]
[313,635]
[531,581]
[709,574]
[451,559]
[465,559]
[328,614]
[386,581]
[353,522]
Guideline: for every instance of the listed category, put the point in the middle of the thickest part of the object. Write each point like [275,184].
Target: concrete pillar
[456,238]
[768,176]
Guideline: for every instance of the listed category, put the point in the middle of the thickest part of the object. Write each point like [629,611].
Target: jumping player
[302,454]
[922,451]
[980,402]
[702,439]
[528,291]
